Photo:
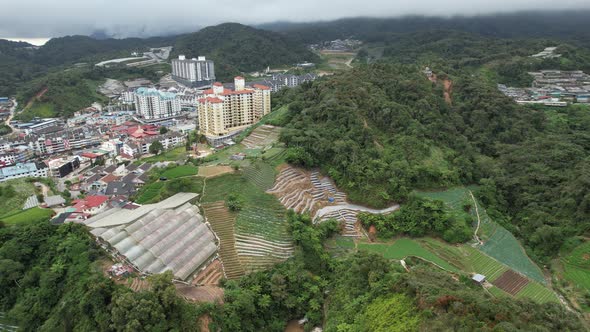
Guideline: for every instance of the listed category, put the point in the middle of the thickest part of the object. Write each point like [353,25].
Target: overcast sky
[123,18]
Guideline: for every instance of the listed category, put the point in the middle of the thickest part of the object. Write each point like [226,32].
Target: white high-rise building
[154,104]
[195,72]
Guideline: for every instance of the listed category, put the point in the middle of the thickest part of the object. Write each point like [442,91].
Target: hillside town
[552,88]
[140,113]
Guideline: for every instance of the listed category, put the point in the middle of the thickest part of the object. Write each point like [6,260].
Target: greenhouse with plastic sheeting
[175,239]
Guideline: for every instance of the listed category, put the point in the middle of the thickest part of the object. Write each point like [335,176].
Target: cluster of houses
[63,147]
[104,188]
[552,88]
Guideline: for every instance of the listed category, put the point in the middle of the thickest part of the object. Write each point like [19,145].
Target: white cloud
[42,18]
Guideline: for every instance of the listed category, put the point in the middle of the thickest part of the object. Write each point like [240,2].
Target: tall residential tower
[194,73]
[224,112]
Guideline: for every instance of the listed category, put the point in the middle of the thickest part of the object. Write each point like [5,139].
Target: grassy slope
[180,171]
[14,204]
[403,248]
[576,266]
[35,214]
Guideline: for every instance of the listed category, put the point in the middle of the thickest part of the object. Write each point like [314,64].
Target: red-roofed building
[90,204]
[223,112]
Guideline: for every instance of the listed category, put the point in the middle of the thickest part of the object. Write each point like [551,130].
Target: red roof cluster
[89,202]
[90,155]
[261,87]
[213,100]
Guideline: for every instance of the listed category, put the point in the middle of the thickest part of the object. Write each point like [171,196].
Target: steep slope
[238,48]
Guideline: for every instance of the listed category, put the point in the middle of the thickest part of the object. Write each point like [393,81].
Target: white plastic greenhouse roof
[163,239]
[119,216]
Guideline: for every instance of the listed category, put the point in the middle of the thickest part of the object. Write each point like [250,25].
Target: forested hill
[383,130]
[237,48]
[69,49]
[545,24]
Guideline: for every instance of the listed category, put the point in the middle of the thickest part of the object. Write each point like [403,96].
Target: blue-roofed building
[23,171]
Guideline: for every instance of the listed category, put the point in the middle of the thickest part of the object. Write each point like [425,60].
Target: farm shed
[479,278]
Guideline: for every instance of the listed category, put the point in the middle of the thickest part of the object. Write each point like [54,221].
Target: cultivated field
[262,137]
[212,171]
[260,174]
[149,192]
[180,171]
[211,275]
[260,234]
[222,221]
[27,216]
[471,260]
[498,242]
[511,282]
[576,266]
[403,248]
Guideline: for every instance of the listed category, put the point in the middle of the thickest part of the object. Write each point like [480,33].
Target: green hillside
[238,48]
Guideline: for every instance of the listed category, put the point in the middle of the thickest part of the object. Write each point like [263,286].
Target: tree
[163,130]
[234,202]
[156,147]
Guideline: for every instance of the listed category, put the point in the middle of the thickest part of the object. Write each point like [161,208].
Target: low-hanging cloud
[127,18]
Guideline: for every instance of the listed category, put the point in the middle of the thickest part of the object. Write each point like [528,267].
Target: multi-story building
[224,112]
[23,170]
[195,72]
[279,80]
[61,167]
[155,104]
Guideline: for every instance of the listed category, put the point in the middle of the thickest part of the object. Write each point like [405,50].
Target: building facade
[223,111]
[195,72]
[154,104]
[23,170]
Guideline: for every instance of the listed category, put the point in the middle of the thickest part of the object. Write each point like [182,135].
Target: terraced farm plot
[511,282]
[261,236]
[498,242]
[503,246]
[403,248]
[222,221]
[261,231]
[260,174]
[471,260]
[211,275]
[261,137]
[466,258]
[538,293]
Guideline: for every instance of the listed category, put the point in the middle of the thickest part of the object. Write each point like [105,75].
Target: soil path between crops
[478,220]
